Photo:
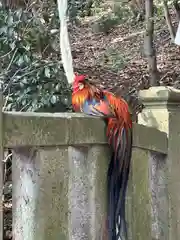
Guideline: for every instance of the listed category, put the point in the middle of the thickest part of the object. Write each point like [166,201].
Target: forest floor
[115,61]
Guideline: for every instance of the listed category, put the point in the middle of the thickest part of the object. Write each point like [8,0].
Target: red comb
[79,78]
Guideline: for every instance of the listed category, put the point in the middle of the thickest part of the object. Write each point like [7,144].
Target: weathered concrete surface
[25,191]
[42,129]
[162,105]
[129,206]
[87,192]
[59,193]
[158,195]
[173,174]
[64,187]
[158,96]
[141,208]
[149,138]
[158,101]
[38,129]
[147,208]
[66,191]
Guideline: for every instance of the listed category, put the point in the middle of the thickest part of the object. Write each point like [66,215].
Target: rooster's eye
[81,86]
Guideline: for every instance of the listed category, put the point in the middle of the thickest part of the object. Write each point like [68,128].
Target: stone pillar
[140,213]
[59,184]
[162,111]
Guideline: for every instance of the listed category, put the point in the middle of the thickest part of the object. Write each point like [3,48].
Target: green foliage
[113,59]
[170,2]
[81,8]
[105,23]
[31,73]
[108,19]
[122,12]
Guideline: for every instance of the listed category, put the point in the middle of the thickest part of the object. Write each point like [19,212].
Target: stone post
[59,172]
[162,111]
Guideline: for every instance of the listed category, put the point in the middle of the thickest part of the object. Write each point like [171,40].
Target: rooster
[91,100]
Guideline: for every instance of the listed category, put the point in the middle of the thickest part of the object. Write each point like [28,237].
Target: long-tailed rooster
[89,99]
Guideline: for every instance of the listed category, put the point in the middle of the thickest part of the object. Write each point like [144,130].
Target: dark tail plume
[117,178]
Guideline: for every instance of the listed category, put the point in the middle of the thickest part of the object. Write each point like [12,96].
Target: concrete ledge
[149,138]
[160,96]
[47,129]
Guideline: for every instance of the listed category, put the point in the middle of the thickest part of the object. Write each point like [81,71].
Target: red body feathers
[92,100]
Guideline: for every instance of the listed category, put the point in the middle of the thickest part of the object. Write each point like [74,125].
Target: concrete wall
[60,164]
[59,177]
[59,172]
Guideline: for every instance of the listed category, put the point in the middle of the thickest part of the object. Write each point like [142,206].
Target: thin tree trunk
[168,20]
[177,9]
[66,55]
[177,38]
[137,9]
[149,49]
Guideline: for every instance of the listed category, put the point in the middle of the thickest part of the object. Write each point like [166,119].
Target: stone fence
[59,169]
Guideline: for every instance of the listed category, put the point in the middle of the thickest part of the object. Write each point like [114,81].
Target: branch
[168,20]
[177,9]
[66,55]
[132,35]
[149,49]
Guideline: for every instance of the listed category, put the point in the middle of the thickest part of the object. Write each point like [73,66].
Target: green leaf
[26,59]
[3,30]
[57,88]
[12,45]
[10,32]
[29,82]
[53,99]
[47,72]
[19,13]
[21,84]
[20,61]
[10,20]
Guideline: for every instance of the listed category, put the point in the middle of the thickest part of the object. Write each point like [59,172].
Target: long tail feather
[124,175]
[117,184]
[111,201]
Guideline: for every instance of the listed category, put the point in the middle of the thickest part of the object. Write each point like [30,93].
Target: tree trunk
[168,20]
[177,9]
[137,8]
[149,49]
[66,55]
[177,38]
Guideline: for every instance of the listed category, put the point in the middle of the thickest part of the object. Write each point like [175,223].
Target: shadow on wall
[59,107]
